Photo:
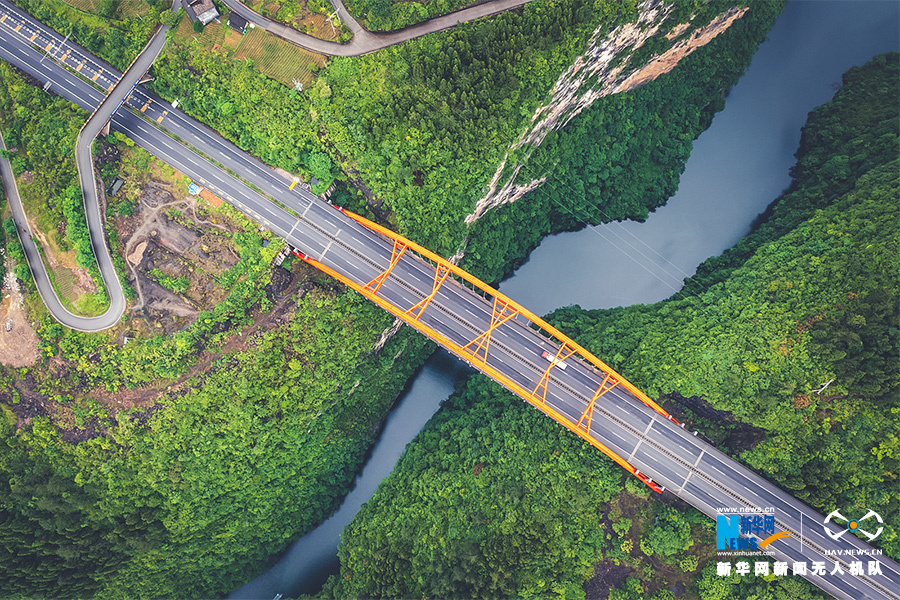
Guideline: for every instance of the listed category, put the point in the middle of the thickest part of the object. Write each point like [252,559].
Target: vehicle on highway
[554,361]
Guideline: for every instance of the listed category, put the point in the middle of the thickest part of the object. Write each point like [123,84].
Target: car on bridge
[554,361]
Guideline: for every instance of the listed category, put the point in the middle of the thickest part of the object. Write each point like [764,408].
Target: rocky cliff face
[600,71]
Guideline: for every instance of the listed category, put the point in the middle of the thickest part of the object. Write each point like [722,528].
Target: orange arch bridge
[477,350]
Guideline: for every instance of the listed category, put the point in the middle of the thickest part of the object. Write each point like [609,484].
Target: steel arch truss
[399,249]
[584,422]
[504,313]
[540,390]
[440,275]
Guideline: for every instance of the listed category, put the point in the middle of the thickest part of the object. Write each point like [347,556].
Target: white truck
[554,361]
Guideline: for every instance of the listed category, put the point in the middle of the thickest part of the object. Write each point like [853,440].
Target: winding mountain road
[118,94]
[39,270]
[673,456]
[365,41]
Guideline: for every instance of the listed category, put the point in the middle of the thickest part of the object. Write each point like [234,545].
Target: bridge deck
[621,419]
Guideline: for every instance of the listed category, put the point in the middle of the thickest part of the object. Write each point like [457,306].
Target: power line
[598,232]
[595,229]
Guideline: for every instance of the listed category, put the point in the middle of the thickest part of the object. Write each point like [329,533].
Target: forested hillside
[420,128]
[623,156]
[177,466]
[493,500]
[190,495]
[809,297]
[427,124]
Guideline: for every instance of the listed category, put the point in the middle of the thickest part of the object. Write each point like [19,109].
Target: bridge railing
[477,350]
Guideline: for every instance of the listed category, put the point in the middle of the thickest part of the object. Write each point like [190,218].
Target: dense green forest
[385,15]
[623,156]
[189,498]
[489,500]
[811,295]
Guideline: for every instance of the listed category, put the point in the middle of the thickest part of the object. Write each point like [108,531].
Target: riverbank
[439,509]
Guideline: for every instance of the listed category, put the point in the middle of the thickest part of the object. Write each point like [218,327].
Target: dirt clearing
[18,341]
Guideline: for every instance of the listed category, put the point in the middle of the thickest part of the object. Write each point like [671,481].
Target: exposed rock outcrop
[600,71]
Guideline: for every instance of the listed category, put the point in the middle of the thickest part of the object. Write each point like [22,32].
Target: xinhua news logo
[854,525]
[733,532]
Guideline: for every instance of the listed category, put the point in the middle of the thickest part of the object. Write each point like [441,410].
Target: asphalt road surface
[85,162]
[36,263]
[365,41]
[687,466]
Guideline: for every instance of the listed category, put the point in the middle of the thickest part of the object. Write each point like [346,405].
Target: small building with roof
[200,10]
[115,186]
[237,22]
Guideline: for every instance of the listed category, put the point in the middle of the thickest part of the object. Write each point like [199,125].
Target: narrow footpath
[365,41]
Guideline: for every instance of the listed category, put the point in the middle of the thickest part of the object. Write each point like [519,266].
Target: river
[737,167]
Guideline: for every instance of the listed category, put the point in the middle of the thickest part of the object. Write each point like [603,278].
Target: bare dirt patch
[84,281]
[18,341]
[26,403]
[211,198]
[166,232]
[678,30]
[607,575]
[669,59]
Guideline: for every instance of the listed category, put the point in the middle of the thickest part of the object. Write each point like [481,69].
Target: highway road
[365,41]
[688,467]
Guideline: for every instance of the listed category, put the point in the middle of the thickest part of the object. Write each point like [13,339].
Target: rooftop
[200,10]
[237,22]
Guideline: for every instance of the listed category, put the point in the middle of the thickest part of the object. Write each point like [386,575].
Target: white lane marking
[691,472]
[328,247]
[641,439]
